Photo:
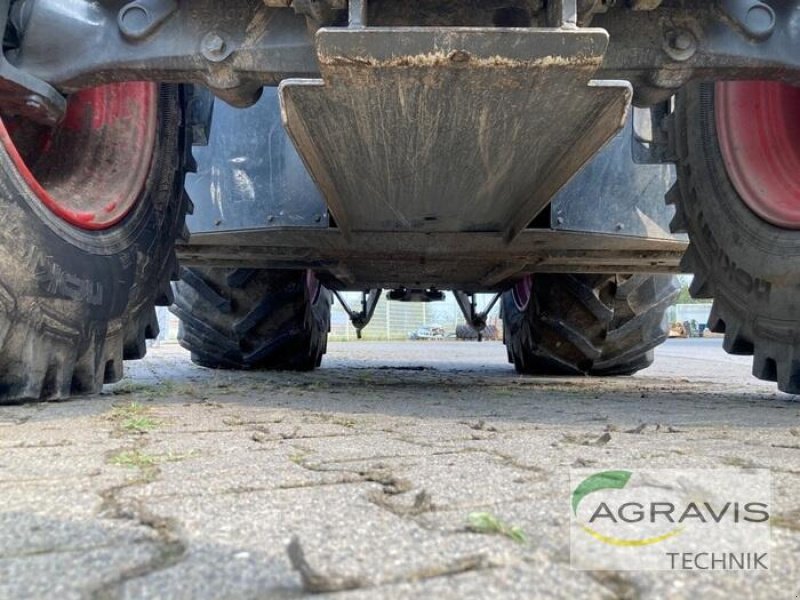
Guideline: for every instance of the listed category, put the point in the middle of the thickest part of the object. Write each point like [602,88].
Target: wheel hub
[91,169]
[758,125]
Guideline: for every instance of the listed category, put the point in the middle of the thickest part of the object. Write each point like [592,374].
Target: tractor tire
[602,325]
[91,210]
[738,156]
[253,318]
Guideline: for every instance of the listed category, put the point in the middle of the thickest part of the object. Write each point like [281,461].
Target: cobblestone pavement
[182,482]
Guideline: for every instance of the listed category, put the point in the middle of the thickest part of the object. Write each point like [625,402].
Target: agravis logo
[654,519]
[612,480]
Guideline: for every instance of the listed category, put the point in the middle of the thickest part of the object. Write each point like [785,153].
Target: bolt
[214,47]
[42,110]
[683,40]
[134,20]
[680,44]
[270,219]
[760,20]
[34,102]
[214,43]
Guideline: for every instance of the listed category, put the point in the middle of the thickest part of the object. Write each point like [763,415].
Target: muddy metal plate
[453,130]
[249,175]
[613,194]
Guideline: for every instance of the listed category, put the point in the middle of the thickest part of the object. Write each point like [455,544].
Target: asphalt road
[182,482]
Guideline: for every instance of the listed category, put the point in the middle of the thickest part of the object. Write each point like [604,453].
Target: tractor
[247,161]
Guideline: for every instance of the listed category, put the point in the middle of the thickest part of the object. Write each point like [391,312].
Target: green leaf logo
[599,481]
[612,480]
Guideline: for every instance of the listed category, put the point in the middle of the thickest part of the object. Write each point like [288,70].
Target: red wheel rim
[91,169]
[758,126]
[521,292]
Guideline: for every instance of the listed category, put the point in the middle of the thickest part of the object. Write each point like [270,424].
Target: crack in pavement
[391,483]
[423,503]
[170,543]
[621,586]
[171,546]
[317,582]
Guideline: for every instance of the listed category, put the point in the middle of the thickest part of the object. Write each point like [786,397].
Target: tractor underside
[566,155]
[423,144]
[447,232]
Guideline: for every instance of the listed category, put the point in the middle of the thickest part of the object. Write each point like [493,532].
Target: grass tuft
[484,522]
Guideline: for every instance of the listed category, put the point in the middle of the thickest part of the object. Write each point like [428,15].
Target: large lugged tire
[253,318]
[738,197]
[586,324]
[90,213]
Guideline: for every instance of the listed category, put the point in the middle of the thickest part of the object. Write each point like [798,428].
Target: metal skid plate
[613,194]
[249,175]
[453,130]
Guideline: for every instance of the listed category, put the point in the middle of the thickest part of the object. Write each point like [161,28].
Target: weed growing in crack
[298,458]
[142,460]
[127,411]
[161,389]
[133,418]
[485,522]
[134,459]
[139,424]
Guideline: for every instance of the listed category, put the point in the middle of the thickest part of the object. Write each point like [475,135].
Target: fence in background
[397,320]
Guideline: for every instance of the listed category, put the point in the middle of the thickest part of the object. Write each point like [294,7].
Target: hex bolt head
[214,43]
[214,47]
